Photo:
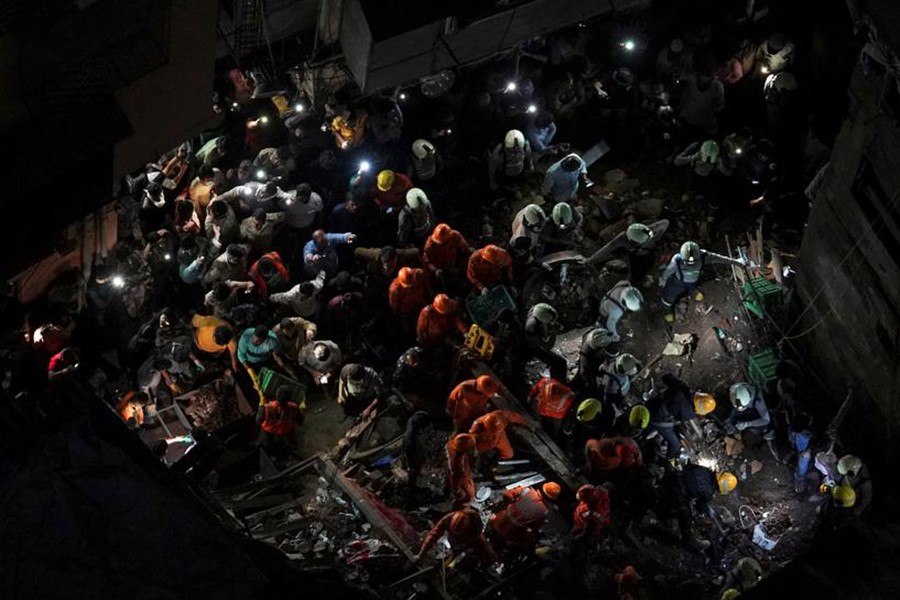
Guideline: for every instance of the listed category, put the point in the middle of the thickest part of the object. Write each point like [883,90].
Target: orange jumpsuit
[433,328]
[605,455]
[465,404]
[521,518]
[464,533]
[488,437]
[445,257]
[280,419]
[551,398]
[485,274]
[409,300]
[592,513]
[459,473]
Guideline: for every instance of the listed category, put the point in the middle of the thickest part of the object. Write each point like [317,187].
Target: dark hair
[221,290]
[246,164]
[160,447]
[570,163]
[218,209]
[356,372]
[162,363]
[184,209]
[205,172]
[387,253]
[259,213]
[304,189]
[223,334]
[266,267]
[236,250]
[283,394]
[271,188]
[307,288]
[261,331]
[141,397]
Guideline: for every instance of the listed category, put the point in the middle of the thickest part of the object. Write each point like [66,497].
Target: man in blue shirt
[320,253]
[256,347]
[540,134]
[563,177]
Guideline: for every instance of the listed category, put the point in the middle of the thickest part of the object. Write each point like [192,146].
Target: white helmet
[779,85]
[690,252]
[742,395]
[514,139]
[416,198]
[422,148]
[599,338]
[849,465]
[562,215]
[638,233]
[544,313]
[534,215]
[632,298]
[626,364]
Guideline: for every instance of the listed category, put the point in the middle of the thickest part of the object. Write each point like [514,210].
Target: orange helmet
[441,234]
[405,276]
[487,385]
[460,523]
[464,441]
[443,304]
[493,254]
[551,489]
[494,421]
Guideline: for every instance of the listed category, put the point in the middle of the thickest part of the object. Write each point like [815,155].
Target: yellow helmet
[588,409]
[727,482]
[730,594]
[385,180]
[639,417]
[704,403]
[843,495]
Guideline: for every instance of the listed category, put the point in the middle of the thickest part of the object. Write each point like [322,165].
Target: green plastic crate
[762,296]
[270,381]
[762,368]
[484,309]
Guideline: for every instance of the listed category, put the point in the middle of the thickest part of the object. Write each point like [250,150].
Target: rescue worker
[416,219]
[597,347]
[426,160]
[437,321]
[278,419]
[517,523]
[269,274]
[638,243]
[460,456]
[775,54]
[382,266]
[510,161]
[702,158]
[445,255]
[622,298]
[683,274]
[408,293]
[416,434]
[616,378]
[488,267]
[563,178]
[525,240]
[358,387]
[591,515]
[132,408]
[751,414]
[694,485]
[391,189]
[541,327]
[468,400]
[672,408]
[464,531]
[604,457]
[564,229]
[490,432]
[553,402]
[854,473]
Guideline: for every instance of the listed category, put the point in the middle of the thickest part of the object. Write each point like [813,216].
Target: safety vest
[527,510]
[279,420]
[553,398]
[689,273]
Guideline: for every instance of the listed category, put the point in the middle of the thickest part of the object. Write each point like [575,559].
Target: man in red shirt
[278,419]
[391,189]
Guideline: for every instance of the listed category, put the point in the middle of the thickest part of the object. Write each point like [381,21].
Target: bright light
[264,119]
[738,151]
[449,131]
[511,86]
[628,45]
[344,144]
[260,174]
[168,257]
[532,109]
[364,166]
[299,107]
[709,463]
[38,335]
[324,127]
[118,281]
[235,105]
[764,70]
[402,96]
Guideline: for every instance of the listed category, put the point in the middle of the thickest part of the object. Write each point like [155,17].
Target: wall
[849,276]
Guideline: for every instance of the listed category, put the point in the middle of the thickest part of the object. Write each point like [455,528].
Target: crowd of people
[343,248]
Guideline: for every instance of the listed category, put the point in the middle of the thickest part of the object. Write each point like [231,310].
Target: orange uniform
[408,292]
[592,513]
[445,256]
[608,454]
[280,419]
[551,398]
[518,521]
[262,284]
[465,404]
[490,432]
[464,530]
[488,267]
[433,327]
[130,412]
[460,450]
